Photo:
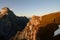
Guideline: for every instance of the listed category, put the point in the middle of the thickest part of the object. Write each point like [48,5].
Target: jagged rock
[22,22]
[41,28]
[10,24]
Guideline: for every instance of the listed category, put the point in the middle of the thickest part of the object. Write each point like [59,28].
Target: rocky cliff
[10,24]
[13,27]
[40,28]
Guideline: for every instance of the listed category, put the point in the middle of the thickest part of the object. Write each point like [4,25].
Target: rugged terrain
[40,28]
[36,28]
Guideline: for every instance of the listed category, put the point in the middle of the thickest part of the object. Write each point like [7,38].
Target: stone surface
[41,27]
[10,24]
[38,28]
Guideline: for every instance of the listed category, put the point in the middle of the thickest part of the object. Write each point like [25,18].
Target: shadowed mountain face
[46,33]
[22,22]
[10,24]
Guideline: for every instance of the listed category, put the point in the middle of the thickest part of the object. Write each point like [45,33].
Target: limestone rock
[41,27]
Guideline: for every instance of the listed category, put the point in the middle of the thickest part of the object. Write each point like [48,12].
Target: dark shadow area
[56,37]
[47,32]
[10,24]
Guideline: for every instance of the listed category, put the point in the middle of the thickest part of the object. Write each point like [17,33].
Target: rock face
[10,24]
[40,28]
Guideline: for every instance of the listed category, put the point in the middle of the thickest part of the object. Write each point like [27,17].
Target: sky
[31,7]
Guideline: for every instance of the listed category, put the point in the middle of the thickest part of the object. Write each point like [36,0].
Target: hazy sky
[31,7]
